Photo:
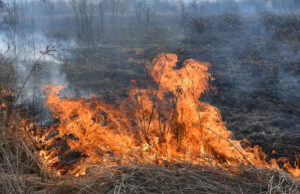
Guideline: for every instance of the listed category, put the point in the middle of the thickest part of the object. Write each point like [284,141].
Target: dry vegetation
[7,73]
[21,172]
[255,62]
[21,169]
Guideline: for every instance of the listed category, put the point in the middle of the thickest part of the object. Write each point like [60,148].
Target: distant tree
[2,4]
[181,6]
[101,4]
[115,7]
[148,10]
[138,7]
[194,6]
[143,7]
[11,12]
[124,9]
[83,10]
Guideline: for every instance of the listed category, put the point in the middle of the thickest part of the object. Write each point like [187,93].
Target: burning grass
[160,139]
[163,154]
[28,167]
[159,125]
[136,179]
[21,171]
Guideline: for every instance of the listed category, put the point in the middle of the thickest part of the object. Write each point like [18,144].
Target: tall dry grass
[21,170]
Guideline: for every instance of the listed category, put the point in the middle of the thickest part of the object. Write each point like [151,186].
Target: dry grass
[7,73]
[21,171]
[154,179]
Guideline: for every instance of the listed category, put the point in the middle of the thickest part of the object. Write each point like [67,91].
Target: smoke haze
[101,45]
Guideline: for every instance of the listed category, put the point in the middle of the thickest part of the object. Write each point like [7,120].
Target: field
[255,62]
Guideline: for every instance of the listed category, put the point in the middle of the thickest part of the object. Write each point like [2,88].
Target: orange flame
[158,125]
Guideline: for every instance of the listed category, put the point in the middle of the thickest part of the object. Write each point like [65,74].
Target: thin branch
[47,51]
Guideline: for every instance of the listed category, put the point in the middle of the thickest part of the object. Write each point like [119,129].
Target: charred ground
[255,63]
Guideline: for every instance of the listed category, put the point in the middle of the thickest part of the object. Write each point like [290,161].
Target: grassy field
[256,65]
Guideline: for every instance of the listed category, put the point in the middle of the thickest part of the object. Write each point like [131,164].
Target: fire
[159,125]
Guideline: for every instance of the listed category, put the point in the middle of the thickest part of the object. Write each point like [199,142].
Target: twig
[48,50]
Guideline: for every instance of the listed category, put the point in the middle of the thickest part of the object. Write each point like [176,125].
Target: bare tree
[83,10]
[10,15]
[148,6]
[181,5]
[194,6]
[138,6]
[115,7]
[101,4]
[142,7]
[2,5]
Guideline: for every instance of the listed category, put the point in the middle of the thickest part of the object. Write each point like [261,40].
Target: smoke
[254,54]
[97,24]
[102,45]
[24,51]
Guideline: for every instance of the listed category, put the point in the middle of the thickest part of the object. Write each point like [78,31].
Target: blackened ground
[256,65]
[255,62]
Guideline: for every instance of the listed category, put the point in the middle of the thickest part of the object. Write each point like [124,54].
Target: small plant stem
[47,51]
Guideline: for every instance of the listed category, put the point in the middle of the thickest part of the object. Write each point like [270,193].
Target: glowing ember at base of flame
[161,125]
